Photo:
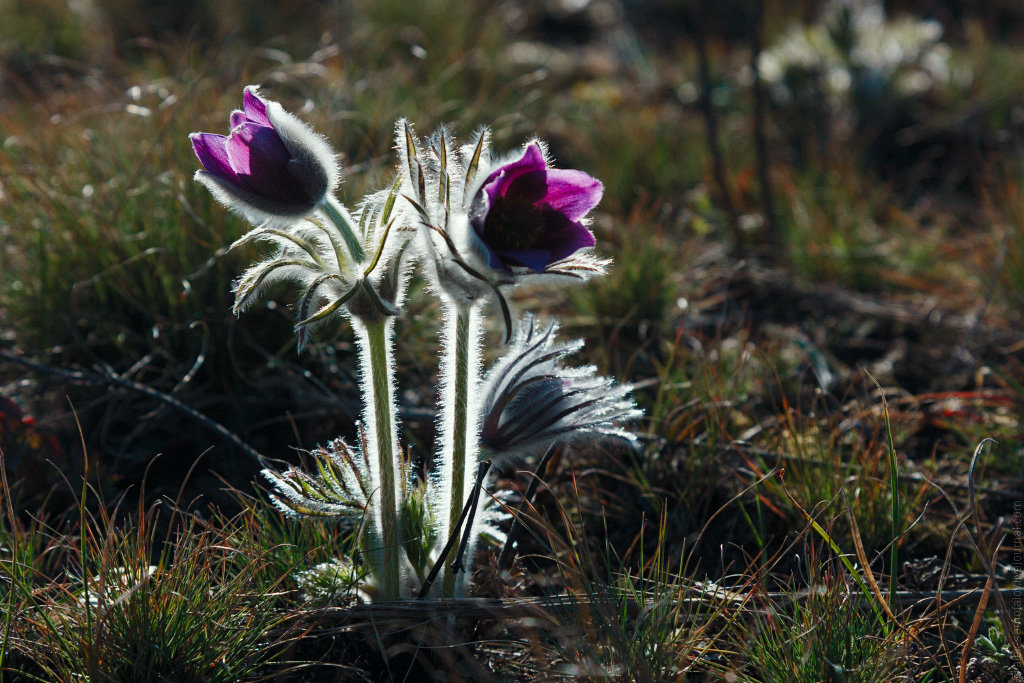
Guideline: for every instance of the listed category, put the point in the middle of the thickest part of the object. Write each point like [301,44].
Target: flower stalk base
[377,371]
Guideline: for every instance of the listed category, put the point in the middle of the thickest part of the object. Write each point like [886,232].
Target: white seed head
[530,401]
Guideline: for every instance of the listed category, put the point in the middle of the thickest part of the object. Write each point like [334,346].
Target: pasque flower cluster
[476,224]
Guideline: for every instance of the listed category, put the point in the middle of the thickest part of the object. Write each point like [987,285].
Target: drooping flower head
[530,401]
[271,166]
[529,216]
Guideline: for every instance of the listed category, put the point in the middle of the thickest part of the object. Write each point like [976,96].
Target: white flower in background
[855,51]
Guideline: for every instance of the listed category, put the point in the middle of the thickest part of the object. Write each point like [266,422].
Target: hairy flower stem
[339,218]
[459,456]
[378,397]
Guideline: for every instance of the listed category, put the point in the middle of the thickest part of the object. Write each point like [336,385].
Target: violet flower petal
[238,150]
[563,238]
[211,149]
[535,259]
[498,182]
[232,191]
[255,108]
[573,193]
[519,231]
[266,170]
[261,161]
[532,214]
[526,186]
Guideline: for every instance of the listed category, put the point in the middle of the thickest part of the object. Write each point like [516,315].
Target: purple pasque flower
[486,223]
[530,216]
[271,165]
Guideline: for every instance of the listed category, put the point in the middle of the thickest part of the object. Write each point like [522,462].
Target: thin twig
[474,499]
[435,570]
[508,553]
[109,378]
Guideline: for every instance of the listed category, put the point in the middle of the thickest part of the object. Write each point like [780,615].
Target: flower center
[513,224]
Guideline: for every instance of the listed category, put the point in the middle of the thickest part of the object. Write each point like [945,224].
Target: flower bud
[271,166]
